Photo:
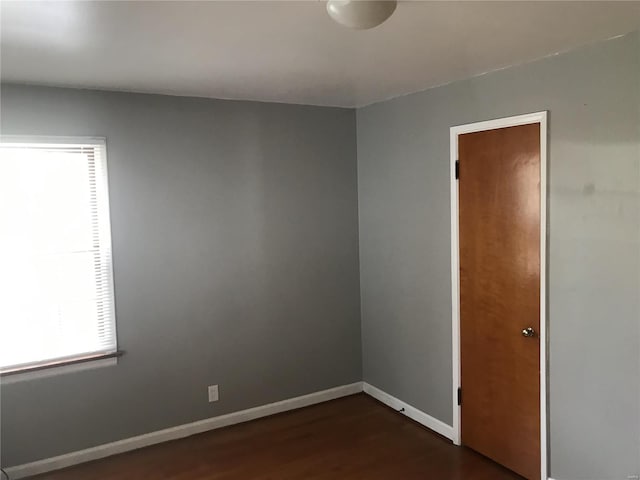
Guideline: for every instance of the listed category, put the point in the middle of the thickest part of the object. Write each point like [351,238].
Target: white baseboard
[181,431]
[411,412]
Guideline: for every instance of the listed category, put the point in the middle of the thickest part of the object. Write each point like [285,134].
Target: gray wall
[236,255]
[235,249]
[593,96]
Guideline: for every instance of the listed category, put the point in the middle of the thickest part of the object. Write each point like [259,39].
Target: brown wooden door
[499,201]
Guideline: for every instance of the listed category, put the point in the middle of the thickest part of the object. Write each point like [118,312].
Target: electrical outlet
[213,393]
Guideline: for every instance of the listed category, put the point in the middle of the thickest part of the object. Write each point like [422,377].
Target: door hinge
[457,169]
[459,395]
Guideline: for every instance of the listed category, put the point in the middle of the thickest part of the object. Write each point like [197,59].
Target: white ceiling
[287,51]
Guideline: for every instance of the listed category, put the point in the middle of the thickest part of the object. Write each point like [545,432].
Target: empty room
[325,240]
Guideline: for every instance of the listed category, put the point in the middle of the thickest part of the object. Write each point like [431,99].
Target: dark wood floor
[351,438]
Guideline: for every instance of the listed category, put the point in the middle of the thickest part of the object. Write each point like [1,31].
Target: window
[56,288]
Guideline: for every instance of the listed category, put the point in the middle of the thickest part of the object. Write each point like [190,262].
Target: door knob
[528,332]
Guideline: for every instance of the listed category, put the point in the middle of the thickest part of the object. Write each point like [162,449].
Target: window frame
[83,360]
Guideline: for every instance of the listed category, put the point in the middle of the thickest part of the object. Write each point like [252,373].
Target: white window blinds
[56,287]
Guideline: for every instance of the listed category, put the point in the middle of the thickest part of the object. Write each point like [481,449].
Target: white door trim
[541,118]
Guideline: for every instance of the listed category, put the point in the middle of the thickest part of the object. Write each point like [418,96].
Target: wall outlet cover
[213,393]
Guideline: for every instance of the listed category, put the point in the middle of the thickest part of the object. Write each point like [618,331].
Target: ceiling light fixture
[361,14]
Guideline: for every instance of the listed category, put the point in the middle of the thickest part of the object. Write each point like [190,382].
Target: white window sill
[58,370]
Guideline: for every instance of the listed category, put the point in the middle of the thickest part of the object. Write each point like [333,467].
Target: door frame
[530,118]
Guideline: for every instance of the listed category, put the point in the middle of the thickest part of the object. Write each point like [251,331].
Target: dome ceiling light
[361,14]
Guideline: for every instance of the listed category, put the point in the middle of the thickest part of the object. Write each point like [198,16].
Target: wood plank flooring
[351,438]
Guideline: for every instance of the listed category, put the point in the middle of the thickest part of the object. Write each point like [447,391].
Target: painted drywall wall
[235,250]
[593,98]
